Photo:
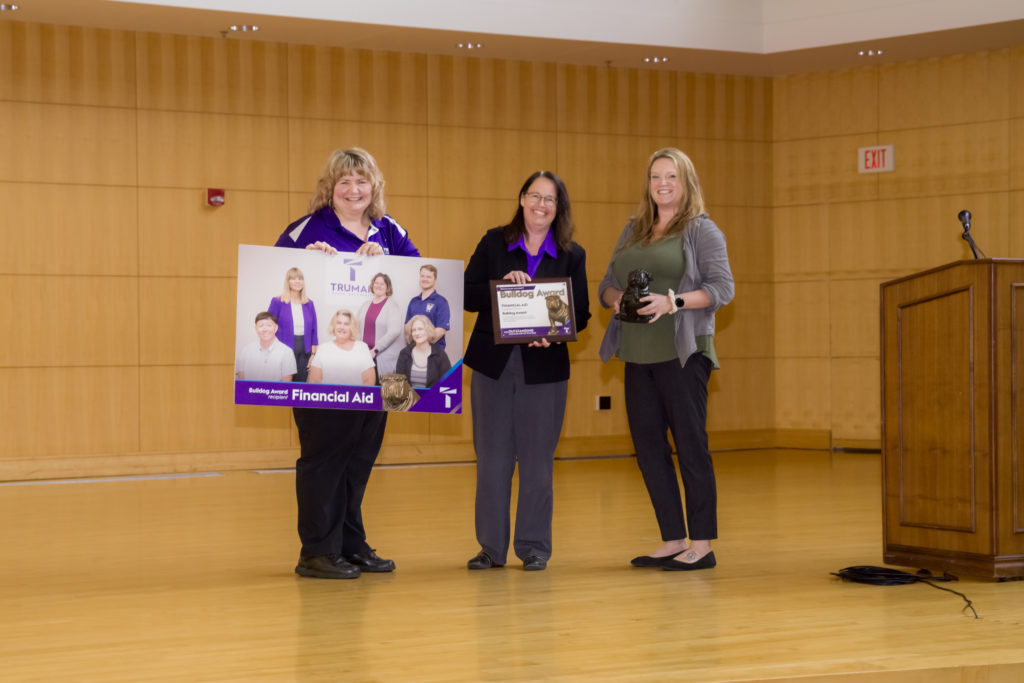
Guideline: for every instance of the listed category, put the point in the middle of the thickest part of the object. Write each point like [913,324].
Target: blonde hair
[353,323]
[691,205]
[427,325]
[342,162]
[286,293]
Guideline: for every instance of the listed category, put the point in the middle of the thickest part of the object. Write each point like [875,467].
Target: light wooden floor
[191,579]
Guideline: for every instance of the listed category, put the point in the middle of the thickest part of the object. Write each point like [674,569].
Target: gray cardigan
[389,329]
[707,268]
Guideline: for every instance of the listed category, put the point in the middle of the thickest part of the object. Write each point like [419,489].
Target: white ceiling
[758,37]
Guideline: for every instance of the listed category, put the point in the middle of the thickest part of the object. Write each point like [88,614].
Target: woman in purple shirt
[296,321]
[518,391]
[347,212]
[338,447]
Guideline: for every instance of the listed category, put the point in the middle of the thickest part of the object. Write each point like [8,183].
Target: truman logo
[354,266]
[352,263]
[447,393]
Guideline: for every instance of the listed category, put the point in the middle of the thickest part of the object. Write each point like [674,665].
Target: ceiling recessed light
[655,60]
[4,7]
[470,46]
[245,28]
[869,53]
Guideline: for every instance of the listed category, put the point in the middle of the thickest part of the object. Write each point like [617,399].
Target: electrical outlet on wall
[604,402]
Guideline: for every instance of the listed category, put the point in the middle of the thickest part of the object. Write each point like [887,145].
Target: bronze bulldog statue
[637,289]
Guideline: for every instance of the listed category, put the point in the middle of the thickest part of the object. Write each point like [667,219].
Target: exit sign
[878,159]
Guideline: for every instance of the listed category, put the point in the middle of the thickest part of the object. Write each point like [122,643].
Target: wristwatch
[676,302]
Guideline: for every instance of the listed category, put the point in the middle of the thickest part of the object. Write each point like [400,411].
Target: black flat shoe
[706,562]
[650,560]
[532,563]
[326,567]
[482,561]
[368,561]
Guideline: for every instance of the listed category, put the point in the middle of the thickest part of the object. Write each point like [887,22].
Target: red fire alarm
[215,196]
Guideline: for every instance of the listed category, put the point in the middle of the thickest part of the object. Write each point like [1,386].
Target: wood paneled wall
[112,136]
[119,280]
[957,124]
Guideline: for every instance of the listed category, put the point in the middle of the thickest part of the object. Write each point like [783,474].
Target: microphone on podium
[965,220]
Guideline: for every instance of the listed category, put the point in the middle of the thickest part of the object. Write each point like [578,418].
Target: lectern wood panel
[935,368]
[951,349]
[1011,442]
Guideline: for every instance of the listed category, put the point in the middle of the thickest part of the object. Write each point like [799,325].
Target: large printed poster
[412,372]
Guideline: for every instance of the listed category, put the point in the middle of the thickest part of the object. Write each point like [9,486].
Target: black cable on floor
[883,576]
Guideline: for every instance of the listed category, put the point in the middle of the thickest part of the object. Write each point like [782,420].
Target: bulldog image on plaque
[637,289]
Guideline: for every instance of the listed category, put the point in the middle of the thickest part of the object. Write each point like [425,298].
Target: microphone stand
[965,219]
[970,240]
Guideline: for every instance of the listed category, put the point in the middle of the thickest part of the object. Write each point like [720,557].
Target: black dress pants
[666,396]
[337,452]
[301,359]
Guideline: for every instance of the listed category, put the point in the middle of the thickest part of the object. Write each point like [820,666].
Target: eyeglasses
[537,198]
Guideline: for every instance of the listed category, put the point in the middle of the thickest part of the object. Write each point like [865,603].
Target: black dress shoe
[326,567]
[532,563]
[649,561]
[482,561]
[369,562]
[706,562]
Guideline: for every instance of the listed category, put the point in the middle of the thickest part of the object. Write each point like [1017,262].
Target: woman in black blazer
[423,363]
[518,391]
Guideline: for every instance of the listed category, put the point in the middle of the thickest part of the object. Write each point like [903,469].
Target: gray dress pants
[515,422]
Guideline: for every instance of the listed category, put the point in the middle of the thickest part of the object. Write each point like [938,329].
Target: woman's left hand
[370,249]
[541,343]
[657,305]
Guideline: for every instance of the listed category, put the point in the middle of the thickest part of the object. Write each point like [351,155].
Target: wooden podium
[953,418]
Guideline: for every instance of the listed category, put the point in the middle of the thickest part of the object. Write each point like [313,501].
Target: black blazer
[491,261]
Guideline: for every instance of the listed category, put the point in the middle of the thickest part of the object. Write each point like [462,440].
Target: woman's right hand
[322,246]
[517,276]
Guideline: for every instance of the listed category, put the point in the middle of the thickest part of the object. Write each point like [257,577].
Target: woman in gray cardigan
[669,359]
[381,314]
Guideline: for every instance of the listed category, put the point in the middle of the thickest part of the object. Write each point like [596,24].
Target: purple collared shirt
[324,226]
[533,261]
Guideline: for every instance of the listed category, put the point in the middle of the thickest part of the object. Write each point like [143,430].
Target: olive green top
[707,269]
[651,342]
[655,342]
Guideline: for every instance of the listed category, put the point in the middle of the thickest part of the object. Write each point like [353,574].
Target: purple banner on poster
[543,331]
[444,397]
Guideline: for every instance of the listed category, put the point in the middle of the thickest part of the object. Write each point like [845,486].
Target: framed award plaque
[539,309]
